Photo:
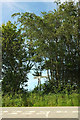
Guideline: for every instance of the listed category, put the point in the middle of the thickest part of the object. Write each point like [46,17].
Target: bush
[40,100]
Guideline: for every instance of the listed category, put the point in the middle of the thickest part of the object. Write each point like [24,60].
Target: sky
[9,8]
[34,0]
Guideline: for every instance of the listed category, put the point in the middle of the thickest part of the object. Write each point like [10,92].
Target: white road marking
[75,111]
[42,112]
[5,111]
[26,113]
[47,113]
[61,111]
[13,113]
[18,111]
[65,111]
[32,111]
[58,111]
[37,112]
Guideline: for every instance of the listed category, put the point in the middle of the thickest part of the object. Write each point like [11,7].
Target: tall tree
[15,65]
[53,42]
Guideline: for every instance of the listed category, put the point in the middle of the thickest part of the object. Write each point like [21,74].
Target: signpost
[39,80]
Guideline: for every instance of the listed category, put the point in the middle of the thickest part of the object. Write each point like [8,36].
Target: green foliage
[10,101]
[53,42]
[40,100]
[16,65]
[0,102]
[53,45]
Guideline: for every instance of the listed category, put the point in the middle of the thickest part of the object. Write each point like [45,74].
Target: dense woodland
[49,43]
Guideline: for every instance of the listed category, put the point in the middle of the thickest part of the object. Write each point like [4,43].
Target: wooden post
[39,80]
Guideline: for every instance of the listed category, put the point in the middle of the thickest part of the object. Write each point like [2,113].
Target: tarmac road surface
[40,113]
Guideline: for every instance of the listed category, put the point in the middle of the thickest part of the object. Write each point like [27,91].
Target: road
[40,112]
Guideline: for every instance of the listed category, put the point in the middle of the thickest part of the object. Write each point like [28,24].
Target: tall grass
[40,100]
[0,99]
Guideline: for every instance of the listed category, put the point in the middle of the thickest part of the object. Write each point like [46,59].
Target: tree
[0,59]
[53,43]
[15,65]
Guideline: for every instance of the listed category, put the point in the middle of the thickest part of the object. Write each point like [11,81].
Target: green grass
[0,99]
[40,100]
